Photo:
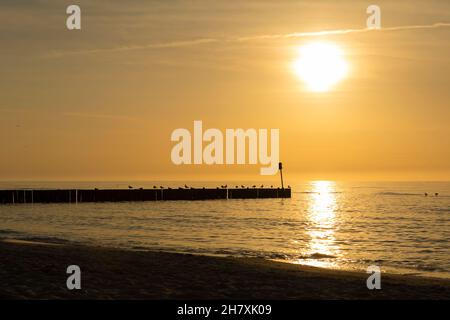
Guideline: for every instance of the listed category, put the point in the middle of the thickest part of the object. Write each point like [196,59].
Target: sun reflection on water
[321,216]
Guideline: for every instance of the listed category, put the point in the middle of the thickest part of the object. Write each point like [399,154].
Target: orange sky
[101,103]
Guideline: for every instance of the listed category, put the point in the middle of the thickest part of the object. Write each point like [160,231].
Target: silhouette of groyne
[117,195]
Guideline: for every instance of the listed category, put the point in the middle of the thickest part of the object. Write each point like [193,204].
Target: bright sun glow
[321,65]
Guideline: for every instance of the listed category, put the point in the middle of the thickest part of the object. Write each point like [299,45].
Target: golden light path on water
[321,218]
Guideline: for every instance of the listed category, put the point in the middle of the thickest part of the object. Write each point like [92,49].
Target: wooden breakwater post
[280,168]
[121,195]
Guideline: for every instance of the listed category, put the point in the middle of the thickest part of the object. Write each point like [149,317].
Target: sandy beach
[37,270]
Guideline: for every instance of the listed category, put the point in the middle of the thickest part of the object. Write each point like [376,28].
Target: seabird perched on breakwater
[130,187]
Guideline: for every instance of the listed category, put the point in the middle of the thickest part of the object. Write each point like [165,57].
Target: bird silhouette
[262,186]
[243,186]
[289,187]
[130,187]
[436,194]
[186,186]
[254,186]
[161,187]
[426,194]
[271,186]
[154,187]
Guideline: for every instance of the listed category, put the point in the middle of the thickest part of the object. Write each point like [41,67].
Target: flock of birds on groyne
[221,187]
[426,194]
[139,194]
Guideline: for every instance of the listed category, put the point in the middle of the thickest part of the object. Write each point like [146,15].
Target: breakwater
[117,195]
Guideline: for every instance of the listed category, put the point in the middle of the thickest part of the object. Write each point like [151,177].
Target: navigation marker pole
[280,167]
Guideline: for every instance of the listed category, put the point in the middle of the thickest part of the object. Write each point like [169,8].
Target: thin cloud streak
[195,42]
[175,44]
[344,31]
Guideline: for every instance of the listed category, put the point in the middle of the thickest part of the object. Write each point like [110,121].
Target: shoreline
[37,270]
[394,271]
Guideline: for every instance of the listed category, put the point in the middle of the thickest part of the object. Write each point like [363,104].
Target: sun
[321,65]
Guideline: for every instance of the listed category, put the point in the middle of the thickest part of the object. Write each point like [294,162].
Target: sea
[329,224]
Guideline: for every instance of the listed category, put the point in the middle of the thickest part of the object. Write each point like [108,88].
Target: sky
[101,103]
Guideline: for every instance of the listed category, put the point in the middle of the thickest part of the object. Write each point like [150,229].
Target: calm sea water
[327,224]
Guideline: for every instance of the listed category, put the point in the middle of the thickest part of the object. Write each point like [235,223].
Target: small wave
[143,248]
[252,254]
[47,239]
[430,268]
[11,234]
[398,194]
[315,192]
[8,232]
[318,255]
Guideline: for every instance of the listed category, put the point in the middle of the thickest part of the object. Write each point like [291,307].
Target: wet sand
[37,270]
